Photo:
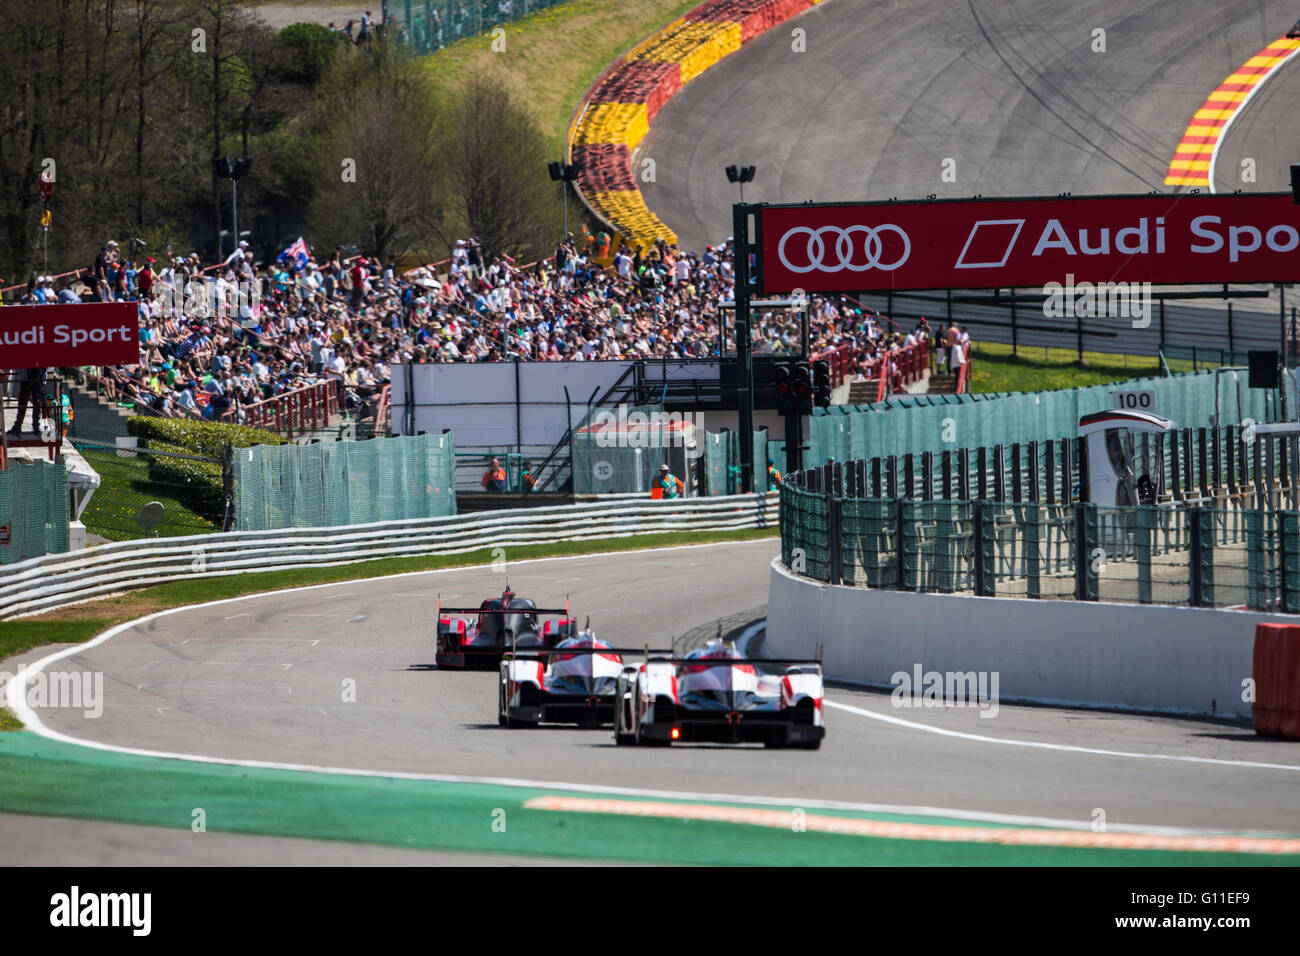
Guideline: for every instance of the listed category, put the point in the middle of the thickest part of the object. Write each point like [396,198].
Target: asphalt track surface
[1011,91]
[1266,132]
[259,678]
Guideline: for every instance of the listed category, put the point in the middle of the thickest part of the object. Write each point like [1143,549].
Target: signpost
[1135,400]
[52,336]
[1109,241]
[1009,243]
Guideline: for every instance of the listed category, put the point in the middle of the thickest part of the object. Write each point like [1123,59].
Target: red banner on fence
[1003,243]
[50,336]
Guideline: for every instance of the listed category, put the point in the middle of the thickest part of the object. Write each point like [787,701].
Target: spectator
[667,485]
[494,479]
[350,320]
[949,340]
[31,389]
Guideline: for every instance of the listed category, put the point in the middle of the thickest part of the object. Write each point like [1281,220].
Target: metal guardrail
[41,584]
[291,413]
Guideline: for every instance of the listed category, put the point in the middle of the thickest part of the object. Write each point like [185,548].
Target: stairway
[943,383]
[94,418]
[864,391]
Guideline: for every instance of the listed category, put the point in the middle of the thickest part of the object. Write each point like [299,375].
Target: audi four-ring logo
[846,249]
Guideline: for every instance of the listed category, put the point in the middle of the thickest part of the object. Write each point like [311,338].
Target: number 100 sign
[1135,400]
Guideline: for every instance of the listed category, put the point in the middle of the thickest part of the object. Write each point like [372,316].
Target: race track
[1010,90]
[885,92]
[260,678]
[1265,131]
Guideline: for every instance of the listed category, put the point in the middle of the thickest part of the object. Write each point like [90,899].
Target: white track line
[18,705]
[1241,108]
[1042,745]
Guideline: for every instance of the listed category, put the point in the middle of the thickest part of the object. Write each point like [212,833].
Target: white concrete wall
[1117,656]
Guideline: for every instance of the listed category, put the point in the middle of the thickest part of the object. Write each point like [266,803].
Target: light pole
[45,189]
[234,170]
[565,173]
[741,175]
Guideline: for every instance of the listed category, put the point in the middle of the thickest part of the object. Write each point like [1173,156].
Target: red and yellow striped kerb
[1191,163]
[617,112]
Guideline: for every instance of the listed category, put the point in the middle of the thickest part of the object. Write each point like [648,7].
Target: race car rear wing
[533,651]
[732,661]
[541,611]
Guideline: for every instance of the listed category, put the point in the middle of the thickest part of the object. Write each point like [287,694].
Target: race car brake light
[676,733]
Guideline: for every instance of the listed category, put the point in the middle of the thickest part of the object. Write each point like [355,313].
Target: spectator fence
[329,484]
[1208,545]
[915,424]
[35,509]
[429,25]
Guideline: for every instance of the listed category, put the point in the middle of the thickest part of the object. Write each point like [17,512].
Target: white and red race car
[713,695]
[480,640]
[572,682]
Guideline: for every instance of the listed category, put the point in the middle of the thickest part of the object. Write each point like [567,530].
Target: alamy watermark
[635,429]
[74,690]
[922,688]
[1122,300]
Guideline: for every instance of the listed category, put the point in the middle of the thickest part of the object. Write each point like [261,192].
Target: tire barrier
[1276,671]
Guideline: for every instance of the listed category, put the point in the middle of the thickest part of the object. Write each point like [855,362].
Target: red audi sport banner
[1001,243]
[50,336]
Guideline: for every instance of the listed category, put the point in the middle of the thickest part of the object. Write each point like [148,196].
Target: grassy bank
[1036,369]
[125,487]
[551,57]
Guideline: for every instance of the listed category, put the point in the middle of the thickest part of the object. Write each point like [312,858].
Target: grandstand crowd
[216,340]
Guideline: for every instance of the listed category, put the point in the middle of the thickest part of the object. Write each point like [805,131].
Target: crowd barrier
[41,584]
[1064,653]
[914,424]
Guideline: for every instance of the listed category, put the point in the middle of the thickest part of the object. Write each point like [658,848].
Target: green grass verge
[1037,369]
[78,624]
[125,488]
[51,778]
[551,57]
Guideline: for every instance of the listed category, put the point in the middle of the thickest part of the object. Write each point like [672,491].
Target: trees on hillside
[127,102]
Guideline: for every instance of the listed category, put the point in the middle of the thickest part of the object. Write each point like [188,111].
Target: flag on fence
[298,251]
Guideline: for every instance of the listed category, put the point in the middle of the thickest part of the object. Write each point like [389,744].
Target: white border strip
[1064,748]
[1241,107]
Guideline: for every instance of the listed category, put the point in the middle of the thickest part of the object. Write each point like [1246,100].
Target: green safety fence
[429,25]
[35,510]
[722,463]
[804,528]
[935,423]
[622,454]
[1225,555]
[341,483]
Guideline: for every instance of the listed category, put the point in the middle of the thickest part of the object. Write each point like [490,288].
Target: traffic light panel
[803,388]
[784,390]
[822,383]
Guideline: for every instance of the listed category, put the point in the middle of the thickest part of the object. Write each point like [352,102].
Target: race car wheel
[621,738]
